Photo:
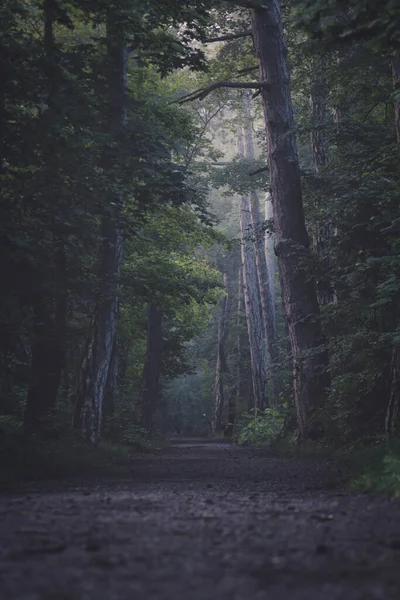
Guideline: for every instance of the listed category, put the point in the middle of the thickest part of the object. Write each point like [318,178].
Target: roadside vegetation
[184,252]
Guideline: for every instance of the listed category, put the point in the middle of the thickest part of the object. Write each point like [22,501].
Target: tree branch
[202,93]
[259,171]
[246,71]
[369,111]
[228,37]
[200,138]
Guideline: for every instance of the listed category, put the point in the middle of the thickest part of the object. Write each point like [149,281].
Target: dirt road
[200,522]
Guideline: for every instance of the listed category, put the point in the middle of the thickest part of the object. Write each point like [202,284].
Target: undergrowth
[262,428]
[42,456]
[373,464]
[381,474]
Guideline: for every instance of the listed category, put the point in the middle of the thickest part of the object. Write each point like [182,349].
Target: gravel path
[200,522]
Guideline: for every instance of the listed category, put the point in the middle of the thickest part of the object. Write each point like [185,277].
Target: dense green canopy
[125,172]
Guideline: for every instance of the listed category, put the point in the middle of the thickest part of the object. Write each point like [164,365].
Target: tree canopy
[151,156]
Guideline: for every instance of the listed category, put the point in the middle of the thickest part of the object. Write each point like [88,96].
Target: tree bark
[111,385]
[98,357]
[222,365]
[48,356]
[48,347]
[254,319]
[152,368]
[319,150]
[96,363]
[396,88]
[261,264]
[267,306]
[291,239]
[238,391]
[270,252]
[252,300]
[318,96]
[240,322]
[393,409]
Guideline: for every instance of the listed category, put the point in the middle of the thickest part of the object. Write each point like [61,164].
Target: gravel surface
[198,522]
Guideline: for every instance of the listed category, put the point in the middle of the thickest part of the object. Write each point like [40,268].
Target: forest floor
[200,521]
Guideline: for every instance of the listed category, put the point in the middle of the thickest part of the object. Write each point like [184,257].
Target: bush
[262,428]
[125,432]
[385,477]
[33,456]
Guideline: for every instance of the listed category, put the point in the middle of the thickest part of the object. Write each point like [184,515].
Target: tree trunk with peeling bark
[222,365]
[97,360]
[291,239]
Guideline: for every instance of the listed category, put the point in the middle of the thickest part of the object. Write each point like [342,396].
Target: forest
[199,226]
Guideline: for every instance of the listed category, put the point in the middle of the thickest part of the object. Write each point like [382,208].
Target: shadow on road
[201,520]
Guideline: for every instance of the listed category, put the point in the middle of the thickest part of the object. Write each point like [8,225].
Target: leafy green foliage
[384,478]
[351,19]
[259,429]
[64,166]
[242,176]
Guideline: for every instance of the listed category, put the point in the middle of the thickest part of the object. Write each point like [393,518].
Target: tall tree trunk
[250,396]
[5,73]
[393,409]
[270,252]
[98,356]
[254,319]
[396,87]
[48,357]
[268,312]
[238,390]
[240,322]
[291,239]
[264,284]
[111,385]
[96,363]
[318,96]
[319,150]
[152,368]
[48,348]
[252,300]
[222,365]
